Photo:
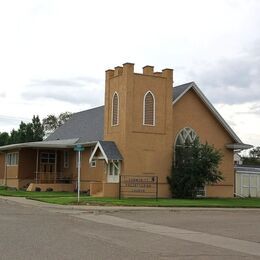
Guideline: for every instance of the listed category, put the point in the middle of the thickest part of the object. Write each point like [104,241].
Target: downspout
[37,166]
[55,178]
[5,169]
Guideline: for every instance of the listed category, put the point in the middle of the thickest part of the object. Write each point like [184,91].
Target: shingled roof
[88,125]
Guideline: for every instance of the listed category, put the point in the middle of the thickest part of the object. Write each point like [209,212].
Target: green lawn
[33,194]
[227,203]
[70,198]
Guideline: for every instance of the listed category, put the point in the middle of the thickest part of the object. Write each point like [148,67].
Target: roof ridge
[188,83]
[87,110]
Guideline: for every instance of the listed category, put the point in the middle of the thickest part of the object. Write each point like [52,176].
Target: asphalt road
[35,232]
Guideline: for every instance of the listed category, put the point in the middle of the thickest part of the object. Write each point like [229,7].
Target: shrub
[49,189]
[196,165]
[38,189]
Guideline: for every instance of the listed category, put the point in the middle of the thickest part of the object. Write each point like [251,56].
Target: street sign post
[79,148]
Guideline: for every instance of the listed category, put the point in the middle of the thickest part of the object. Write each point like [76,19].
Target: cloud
[253,110]
[233,80]
[2,94]
[78,90]
[11,121]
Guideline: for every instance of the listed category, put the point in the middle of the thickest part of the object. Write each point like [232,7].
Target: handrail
[241,196]
[51,177]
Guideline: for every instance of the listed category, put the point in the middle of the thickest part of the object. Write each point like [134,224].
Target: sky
[54,53]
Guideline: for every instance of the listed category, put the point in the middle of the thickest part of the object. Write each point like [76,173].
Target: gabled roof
[183,89]
[179,90]
[87,126]
[109,151]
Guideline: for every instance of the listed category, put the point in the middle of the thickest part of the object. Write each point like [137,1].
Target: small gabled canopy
[108,150]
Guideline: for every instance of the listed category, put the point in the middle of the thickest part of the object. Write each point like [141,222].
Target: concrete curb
[28,202]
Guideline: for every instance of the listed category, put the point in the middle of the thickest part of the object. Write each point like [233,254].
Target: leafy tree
[63,117]
[255,152]
[27,132]
[14,137]
[250,161]
[195,166]
[51,122]
[4,138]
[38,129]
[253,158]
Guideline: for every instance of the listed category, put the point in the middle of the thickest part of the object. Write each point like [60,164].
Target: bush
[195,166]
[38,189]
[49,189]
[11,188]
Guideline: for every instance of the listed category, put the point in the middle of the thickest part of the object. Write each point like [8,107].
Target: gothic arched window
[149,109]
[182,144]
[115,109]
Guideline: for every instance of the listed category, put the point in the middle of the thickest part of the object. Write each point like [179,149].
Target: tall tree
[255,152]
[63,117]
[38,129]
[4,138]
[14,137]
[197,165]
[51,122]
[253,158]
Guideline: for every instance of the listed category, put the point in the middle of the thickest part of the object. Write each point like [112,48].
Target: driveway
[39,231]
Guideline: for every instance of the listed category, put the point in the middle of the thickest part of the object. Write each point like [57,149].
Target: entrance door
[113,172]
[47,167]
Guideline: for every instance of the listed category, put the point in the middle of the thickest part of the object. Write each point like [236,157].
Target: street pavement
[34,230]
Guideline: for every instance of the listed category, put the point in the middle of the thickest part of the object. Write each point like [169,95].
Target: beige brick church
[134,134]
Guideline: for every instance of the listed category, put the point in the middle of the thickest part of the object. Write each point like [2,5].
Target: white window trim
[114,166]
[176,137]
[93,163]
[153,108]
[12,154]
[118,102]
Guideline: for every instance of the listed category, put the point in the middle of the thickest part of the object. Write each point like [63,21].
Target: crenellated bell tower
[138,118]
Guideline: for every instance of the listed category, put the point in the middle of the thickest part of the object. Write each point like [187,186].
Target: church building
[134,135]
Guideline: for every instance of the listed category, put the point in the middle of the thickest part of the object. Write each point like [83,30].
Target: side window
[12,159]
[149,109]
[66,159]
[93,163]
[115,109]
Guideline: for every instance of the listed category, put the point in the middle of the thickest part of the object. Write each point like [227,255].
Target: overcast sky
[53,53]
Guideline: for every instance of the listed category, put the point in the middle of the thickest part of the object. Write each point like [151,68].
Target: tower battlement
[128,68]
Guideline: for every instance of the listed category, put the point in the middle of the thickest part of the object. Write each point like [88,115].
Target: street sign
[79,148]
